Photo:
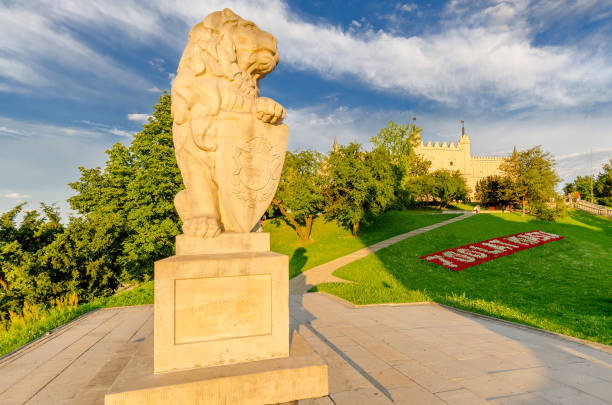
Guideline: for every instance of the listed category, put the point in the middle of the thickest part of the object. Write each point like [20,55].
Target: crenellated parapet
[500,158]
[437,145]
[457,157]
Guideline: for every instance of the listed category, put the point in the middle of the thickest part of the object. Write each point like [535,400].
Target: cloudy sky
[76,77]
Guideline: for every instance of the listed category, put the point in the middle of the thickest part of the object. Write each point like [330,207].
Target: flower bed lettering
[462,257]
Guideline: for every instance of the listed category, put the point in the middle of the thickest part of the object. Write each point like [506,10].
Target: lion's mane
[209,70]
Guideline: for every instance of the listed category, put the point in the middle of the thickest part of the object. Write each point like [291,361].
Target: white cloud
[36,130]
[40,50]
[9,130]
[120,132]
[138,117]
[157,64]
[582,163]
[408,7]
[491,53]
[494,57]
[17,196]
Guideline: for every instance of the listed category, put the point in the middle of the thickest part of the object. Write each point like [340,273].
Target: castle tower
[464,146]
[335,147]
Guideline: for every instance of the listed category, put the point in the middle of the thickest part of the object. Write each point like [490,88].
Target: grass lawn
[563,286]
[329,241]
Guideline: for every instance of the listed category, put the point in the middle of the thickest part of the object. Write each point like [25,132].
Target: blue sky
[76,77]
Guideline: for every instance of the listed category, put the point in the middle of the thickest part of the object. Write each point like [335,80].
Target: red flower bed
[462,257]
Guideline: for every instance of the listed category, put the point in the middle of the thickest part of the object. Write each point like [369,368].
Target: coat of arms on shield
[257,169]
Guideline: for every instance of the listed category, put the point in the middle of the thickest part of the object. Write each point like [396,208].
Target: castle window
[451,163]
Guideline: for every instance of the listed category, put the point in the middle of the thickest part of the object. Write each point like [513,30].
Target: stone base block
[217,309]
[302,375]
[227,242]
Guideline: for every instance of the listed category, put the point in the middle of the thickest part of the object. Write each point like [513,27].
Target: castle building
[458,157]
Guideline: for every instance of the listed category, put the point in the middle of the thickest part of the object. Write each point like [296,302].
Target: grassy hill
[330,241]
[563,286]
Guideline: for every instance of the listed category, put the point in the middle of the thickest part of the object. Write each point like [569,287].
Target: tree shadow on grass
[298,261]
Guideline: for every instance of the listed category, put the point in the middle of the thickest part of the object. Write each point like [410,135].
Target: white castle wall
[457,157]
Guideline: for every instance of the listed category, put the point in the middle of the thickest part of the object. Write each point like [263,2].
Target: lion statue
[229,142]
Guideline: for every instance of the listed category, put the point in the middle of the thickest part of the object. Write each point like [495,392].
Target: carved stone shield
[248,172]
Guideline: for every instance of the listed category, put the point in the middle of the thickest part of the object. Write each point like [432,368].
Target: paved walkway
[323,273]
[79,362]
[403,354]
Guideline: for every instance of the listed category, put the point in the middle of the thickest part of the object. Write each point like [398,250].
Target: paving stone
[490,386]
[392,378]
[414,395]
[388,354]
[521,399]
[461,397]
[360,396]
[564,395]
[434,382]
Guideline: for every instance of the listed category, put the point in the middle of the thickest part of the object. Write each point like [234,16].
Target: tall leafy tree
[584,185]
[299,194]
[603,185]
[138,184]
[399,142]
[382,185]
[533,176]
[496,191]
[359,185]
[22,277]
[83,258]
[152,219]
[447,186]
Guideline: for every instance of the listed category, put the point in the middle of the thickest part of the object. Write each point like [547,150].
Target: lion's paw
[269,111]
[202,227]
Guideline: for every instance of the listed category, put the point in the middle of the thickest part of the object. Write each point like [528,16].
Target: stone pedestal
[221,331]
[223,307]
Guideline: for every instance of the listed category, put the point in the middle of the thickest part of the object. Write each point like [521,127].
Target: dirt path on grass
[323,273]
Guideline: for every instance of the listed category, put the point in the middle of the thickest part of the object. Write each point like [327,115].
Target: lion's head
[226,45]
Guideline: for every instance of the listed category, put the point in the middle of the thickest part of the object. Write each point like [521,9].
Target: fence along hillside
[593,208]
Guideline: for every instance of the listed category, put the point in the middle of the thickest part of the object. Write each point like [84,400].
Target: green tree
[299,194]
[152,219]
[83,258]
[382,185]
[399,141]
[447,186]
[583,186]
[569,188]
[533,178]
[138,184]
[603,185]
[359,185]
[495,191]
[22,278]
